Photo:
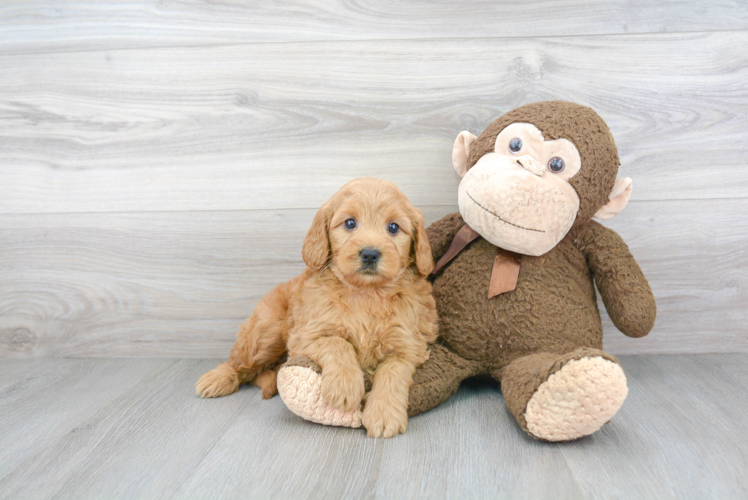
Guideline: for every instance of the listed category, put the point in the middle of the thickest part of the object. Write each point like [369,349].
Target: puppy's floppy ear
[421,248]
[316,249]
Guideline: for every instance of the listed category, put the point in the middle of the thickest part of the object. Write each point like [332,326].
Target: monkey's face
[519,197]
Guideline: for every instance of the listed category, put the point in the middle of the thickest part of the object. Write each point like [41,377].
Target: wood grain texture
[175,284]
[42,402]
[275,126]
[149,434]
[680,434]
[35,26]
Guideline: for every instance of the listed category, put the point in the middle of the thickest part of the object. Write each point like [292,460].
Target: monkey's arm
[624,289]
[442,232]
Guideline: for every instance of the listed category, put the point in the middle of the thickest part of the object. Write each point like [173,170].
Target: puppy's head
[369,235]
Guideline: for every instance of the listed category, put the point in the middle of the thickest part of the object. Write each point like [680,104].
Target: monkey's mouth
[502,219]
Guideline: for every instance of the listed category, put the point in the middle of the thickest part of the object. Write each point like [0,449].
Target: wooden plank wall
[160,162]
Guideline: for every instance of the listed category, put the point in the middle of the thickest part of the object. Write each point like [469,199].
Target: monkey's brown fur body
[524,336]
[552,311]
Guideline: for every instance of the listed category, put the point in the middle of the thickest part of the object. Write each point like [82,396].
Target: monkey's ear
[461,152]
[619,197]
[316,248]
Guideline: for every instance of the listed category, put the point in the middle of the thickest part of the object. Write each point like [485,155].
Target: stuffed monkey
[515,297]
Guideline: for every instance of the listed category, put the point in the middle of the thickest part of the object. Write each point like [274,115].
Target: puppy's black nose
[369,256]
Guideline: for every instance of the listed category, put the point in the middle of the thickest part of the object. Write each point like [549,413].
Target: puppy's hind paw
[300,387]
[221,381]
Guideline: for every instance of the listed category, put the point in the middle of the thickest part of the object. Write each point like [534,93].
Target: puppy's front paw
[383,419]
[300,388]
[343,388]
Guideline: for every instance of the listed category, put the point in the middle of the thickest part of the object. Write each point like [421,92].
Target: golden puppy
[362,304]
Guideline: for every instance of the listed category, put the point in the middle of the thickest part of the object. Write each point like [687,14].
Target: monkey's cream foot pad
[576,400]
[300,389]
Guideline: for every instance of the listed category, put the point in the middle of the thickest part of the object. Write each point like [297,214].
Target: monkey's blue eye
[556,165]
[350,224]
[393,228]
[515,145]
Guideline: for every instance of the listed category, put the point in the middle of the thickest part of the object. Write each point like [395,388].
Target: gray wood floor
[118,428]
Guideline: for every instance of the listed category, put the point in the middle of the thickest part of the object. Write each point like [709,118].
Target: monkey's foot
[576,400]
[299,385]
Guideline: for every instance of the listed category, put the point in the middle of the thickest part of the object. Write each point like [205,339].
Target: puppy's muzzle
[369,258]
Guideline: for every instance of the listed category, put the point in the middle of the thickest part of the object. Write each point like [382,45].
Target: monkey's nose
[531,165]
[369,256]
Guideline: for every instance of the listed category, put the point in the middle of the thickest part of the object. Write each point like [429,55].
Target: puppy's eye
[556,165]
[393,228]
[515,145]
[350,224]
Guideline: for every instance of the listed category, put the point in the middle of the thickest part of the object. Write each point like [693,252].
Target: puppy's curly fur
[362,304]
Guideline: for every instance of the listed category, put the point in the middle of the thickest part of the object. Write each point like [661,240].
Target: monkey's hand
[623,287]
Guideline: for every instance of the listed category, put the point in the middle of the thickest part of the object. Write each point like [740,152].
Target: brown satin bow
[505,266]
